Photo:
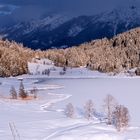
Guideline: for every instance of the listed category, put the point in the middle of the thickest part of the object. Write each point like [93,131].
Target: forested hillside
[120,53]
[13,58]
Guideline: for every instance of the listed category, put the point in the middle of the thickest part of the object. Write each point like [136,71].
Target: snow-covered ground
[44,117]
[37,67]
[36,70]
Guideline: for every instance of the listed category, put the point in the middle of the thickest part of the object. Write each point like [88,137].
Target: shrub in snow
[109,106]
[121,117]
[69,111]
[89,109]
[22,93]
[62,73]
[64,69]
[46,72]
[13,93]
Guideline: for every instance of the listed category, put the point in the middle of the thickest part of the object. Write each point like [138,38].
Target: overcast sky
[27,9]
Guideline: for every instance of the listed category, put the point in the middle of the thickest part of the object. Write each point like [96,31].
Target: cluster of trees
[115,114]
[14,58]
[23,94]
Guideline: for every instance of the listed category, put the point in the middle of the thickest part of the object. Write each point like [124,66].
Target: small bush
[69,111]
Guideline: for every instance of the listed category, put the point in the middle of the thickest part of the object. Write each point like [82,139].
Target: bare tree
[34,92]
[13,93]
[69,111]
[89,109]
[109,106]
[22,93]
[121,117]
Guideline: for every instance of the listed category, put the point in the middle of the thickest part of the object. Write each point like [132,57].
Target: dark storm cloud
[33,9]
[64,5]
[7,9]
[21,2]
[77,6]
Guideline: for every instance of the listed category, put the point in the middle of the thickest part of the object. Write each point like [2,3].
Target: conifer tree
[13,93]
[22,93]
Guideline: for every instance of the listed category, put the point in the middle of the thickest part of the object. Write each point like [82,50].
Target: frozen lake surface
[125,90]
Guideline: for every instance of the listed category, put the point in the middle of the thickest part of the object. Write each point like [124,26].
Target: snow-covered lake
[44,119]
[125,90]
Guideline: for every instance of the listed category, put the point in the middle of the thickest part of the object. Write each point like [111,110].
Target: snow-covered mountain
[61,31]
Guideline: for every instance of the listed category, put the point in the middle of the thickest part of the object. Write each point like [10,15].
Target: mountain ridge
[59,31]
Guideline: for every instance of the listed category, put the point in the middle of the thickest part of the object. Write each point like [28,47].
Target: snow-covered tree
[89,109]
[14,58]
[109,106]
[14,69]
[69,111]
[121,117]
[13,93]
[22,93]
